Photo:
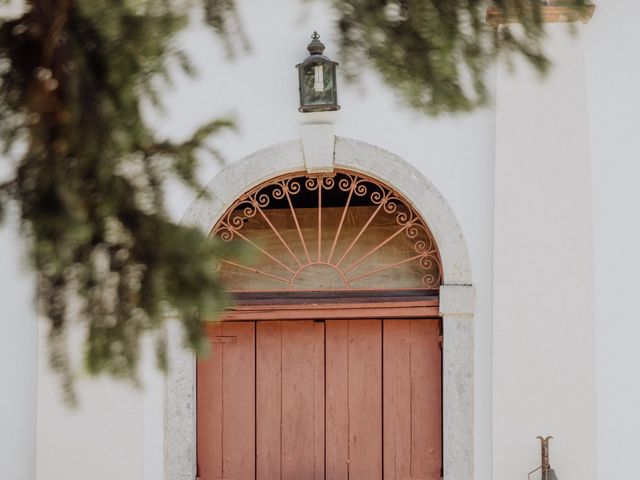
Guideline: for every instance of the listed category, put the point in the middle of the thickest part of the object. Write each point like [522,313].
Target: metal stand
[548,473]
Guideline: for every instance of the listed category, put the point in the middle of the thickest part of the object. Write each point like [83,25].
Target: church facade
[426,296]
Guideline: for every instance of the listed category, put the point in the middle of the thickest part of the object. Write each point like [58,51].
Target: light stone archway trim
[456,294]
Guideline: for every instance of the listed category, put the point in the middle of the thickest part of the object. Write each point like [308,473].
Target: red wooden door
[335,400]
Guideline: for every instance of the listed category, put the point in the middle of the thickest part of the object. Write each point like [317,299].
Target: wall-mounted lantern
[317,78]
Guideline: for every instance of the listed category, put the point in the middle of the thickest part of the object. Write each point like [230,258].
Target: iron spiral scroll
[328,231]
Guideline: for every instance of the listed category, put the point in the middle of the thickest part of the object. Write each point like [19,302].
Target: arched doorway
[329,367]
[454,306]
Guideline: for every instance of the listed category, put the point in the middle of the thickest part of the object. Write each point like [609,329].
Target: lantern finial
[316,47]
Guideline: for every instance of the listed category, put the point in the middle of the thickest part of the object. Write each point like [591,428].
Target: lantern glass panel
[317,85]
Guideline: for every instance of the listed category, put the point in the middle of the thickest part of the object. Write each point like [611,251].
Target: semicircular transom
[338,231]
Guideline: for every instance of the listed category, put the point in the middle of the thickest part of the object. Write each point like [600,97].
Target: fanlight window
[338,231]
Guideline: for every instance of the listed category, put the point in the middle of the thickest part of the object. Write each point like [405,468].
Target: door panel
[426,403]
[290,400]
[354,399]
[412,400]
[300,416]
[337,388]
[268,399]
[226,406]
[273,390]
[209,411]
[397,400]
[319,401]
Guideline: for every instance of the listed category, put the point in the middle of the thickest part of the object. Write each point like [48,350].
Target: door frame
[456,295]
[328,305]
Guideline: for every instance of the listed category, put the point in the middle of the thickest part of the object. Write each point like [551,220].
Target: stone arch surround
[320,150]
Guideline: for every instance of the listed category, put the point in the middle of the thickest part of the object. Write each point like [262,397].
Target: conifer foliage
[89,173]
[435,53]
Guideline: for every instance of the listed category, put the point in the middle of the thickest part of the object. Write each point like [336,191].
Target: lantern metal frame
[316,57]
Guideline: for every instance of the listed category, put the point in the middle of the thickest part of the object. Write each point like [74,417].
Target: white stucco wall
[114,432]
[18,360]
[544,324]
[117,432]
[547,386]
[613,80]
[18,342]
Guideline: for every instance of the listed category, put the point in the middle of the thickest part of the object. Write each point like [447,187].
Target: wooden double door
[312,400]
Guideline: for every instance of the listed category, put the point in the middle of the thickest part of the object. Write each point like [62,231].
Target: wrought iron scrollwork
[289,190]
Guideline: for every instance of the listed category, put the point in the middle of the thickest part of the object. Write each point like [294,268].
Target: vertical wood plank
[298,381]
[426,401]
[365,399]
[238,423]
[412,400]
[318,400]
[209,411]
[397,399]
[337,413]
[268,399]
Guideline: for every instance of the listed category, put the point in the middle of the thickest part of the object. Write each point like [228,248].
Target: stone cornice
[550,14]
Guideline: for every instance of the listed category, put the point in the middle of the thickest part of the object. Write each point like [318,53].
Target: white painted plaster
[543,327]
[318,143]
[101,438]
[613,80]
[153,411]
[18,359]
